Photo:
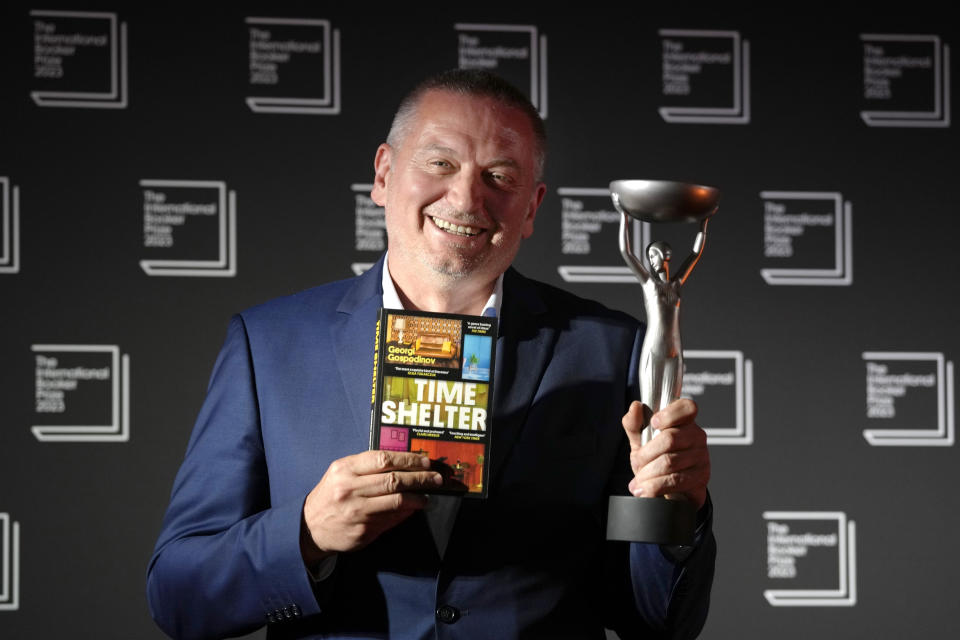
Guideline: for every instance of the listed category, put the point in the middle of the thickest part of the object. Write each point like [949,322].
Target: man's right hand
[360,497]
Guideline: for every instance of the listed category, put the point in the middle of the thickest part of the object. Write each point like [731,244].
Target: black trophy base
[656,520]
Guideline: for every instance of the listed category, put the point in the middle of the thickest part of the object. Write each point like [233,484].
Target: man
[279,515]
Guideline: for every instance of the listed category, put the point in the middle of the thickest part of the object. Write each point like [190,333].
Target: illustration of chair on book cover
[435,345]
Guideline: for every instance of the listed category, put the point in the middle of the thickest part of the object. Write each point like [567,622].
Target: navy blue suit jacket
[290,393]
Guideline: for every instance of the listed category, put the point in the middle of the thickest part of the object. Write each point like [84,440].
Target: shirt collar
[391,299]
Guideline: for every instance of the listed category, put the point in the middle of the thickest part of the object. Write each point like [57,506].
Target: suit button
[448,614]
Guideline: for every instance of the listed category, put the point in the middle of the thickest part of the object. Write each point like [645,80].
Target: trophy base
[656,520]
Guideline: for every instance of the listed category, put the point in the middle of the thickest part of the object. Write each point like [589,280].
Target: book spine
[375,388]
[490,409]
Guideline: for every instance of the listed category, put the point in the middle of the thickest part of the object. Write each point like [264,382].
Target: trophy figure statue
[669,520]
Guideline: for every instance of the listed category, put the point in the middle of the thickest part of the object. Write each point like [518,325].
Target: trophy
[669,520]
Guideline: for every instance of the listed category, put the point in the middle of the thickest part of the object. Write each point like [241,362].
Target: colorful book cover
[433,393]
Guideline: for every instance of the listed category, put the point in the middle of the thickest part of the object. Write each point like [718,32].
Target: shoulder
[314,298]
[312,308]
[561,307]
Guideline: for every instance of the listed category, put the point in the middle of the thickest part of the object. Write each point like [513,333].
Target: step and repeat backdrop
[162,168]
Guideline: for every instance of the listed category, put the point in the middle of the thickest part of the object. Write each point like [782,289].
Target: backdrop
[163,168]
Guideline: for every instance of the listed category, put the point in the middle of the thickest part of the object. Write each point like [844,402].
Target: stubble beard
[452,269]
[449,270]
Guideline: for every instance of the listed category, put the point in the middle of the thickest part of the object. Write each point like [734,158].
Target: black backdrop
[828,389]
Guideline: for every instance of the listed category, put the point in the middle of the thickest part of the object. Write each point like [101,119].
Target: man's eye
[500,178]
[443,164]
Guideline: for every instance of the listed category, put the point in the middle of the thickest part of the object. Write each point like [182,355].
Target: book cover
[433,393]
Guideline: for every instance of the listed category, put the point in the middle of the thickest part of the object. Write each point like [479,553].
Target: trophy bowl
[666,200]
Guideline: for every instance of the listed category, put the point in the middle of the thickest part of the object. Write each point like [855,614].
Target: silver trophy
[659,520]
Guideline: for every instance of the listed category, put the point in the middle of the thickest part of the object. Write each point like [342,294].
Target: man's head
[475,83]
[459,180]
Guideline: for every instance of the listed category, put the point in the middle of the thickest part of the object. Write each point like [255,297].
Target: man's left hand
[676,460]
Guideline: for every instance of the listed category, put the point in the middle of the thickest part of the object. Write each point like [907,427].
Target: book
[433,393]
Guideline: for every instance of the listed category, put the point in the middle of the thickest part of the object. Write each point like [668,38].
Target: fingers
[670,440]
[676,461]
[676,414]
[675,472]
[361,496]
[380,461]
[382,484]
[395,502]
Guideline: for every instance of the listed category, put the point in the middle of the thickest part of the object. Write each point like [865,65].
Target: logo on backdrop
[811,559]
[370,228]
[82,393]
[79,60]
[189,228]
[722,384]
[906,80]
[515,52]
[706,76]
[589,231]
[909,398]
[294,66]
[807,238]
[9,563]
[9,226]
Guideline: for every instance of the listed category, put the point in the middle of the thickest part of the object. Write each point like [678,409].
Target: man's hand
[360,497]
[676,460]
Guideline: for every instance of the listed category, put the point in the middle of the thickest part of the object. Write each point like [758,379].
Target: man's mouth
[455,229]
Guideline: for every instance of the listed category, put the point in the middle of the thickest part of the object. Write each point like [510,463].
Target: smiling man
[279,516]
[460,183]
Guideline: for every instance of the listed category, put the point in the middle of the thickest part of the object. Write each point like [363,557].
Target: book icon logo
[9,563]
[706,74]
[294,66]
[82,393]
[808,236]
[9,226]
[906,80]
[79,59]
[814,551]
[589,228]
[721,382]
[184,220]
[515,52]
[909,393]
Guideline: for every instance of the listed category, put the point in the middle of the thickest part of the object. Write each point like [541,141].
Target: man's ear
[381,167]
[535,200]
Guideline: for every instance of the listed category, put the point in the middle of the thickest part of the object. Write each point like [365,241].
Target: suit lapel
[524,349]
[353,336]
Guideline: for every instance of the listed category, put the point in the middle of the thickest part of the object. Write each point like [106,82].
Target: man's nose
[466,192]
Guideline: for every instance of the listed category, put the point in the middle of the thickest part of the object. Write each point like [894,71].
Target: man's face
[460,192]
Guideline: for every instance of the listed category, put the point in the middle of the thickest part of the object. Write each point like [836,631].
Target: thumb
[636,418]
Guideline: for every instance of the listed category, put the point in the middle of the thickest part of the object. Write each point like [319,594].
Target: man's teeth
[458,229]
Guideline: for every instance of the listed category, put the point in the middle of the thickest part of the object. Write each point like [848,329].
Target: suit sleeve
[671,585]
[227,560]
